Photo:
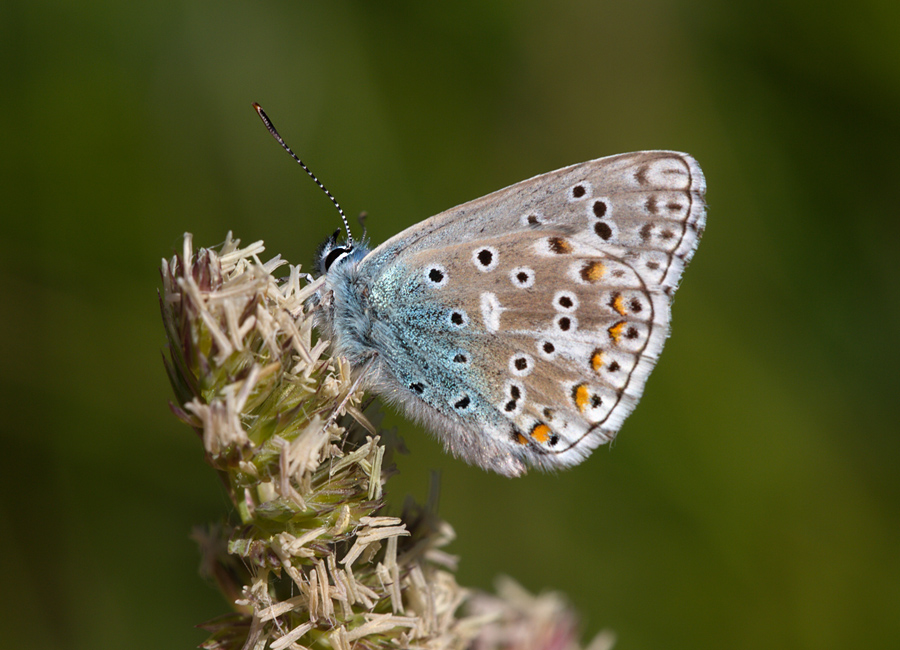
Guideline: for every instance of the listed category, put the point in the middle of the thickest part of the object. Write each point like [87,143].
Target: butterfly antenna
[280,140]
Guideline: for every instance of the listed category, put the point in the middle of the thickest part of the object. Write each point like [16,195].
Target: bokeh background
[750,501]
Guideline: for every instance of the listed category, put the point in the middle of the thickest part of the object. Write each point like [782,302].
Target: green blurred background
[752,499]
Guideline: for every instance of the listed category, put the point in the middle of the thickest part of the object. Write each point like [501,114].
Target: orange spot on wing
[541,432]
[592,271]
[582,397]
[616,331]
[522,440]
[597,360]
[618,304]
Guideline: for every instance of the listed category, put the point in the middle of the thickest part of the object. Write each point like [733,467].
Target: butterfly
[521,327]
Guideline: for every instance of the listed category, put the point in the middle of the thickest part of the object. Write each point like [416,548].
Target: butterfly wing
[522,326]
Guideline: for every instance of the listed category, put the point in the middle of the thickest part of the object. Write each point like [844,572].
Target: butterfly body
[521,327]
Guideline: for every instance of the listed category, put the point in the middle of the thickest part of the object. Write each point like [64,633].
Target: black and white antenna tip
[280,140]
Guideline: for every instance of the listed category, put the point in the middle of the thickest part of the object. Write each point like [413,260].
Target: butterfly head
[334,251]
[341,313]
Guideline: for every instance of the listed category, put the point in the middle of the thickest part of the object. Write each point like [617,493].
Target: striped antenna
[280,140]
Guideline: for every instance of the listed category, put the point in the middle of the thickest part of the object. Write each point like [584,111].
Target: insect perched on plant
[520,327]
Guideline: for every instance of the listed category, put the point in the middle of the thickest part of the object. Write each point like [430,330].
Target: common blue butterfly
[521,327]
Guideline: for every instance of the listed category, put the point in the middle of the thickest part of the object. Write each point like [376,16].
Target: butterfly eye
[334,255]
